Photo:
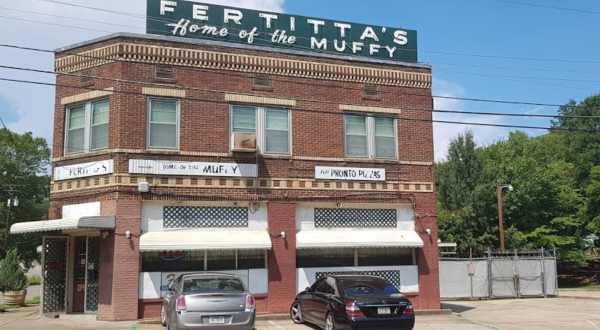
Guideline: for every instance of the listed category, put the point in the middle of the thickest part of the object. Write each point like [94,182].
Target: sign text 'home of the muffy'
[180,18]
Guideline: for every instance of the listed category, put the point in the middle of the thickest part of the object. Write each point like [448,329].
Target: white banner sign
[165,167]
[83,170]
[349,173]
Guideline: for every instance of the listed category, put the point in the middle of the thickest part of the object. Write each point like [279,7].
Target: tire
[329,322]
[163,316]
[296,313]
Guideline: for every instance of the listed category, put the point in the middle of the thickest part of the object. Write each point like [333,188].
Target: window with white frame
[370,136]
[163,123]
[271,126]
[87,127]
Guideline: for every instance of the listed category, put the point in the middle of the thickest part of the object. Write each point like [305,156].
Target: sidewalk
[580,294]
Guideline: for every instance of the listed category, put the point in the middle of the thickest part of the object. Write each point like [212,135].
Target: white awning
[178,240]
[69,224]
[363,238]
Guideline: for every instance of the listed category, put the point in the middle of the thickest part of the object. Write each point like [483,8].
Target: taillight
[250,303]
[180,304]
[409,310]
[353,310]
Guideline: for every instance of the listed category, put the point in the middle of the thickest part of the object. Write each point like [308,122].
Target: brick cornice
[240,62]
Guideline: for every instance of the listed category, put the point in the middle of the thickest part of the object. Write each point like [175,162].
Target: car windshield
[199,285]
[367,286]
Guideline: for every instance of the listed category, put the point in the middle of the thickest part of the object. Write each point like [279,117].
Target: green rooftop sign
[189,19]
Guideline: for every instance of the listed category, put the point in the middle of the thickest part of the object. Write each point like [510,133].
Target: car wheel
[296,313]
[163,316]
[329,323]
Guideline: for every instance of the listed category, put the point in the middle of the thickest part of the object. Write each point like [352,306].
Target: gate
[54,270]
[92,270]
[492,275]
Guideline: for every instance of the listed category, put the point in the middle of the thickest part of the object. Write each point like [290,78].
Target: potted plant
[13,282]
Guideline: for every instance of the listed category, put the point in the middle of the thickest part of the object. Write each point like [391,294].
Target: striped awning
[178,240]
[359,238]
[70,224]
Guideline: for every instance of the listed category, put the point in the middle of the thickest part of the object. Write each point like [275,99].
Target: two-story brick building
[278,164]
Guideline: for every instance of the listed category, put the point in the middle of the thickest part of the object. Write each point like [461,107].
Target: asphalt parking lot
[513,314]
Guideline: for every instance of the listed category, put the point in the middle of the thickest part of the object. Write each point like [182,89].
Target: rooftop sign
[189,19]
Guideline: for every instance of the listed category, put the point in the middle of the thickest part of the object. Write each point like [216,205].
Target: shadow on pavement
[457,308]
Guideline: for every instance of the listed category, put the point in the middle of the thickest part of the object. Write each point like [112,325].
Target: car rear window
[199,285]
[367,287]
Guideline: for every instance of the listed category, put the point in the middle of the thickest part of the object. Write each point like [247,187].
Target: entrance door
[93,272]
[54,263]
[79,273]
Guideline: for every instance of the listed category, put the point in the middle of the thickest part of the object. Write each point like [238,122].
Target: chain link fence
[492,274]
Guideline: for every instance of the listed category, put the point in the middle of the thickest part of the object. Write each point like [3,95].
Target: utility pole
[500,222]
[12,190]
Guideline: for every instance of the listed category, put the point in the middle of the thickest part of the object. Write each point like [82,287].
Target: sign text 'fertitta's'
[198,20]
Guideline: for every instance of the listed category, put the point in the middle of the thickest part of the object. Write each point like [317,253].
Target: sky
[506,50]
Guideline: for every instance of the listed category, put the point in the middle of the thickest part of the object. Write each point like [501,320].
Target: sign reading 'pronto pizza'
[207,21]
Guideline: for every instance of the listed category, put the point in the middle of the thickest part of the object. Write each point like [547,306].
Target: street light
[499,187]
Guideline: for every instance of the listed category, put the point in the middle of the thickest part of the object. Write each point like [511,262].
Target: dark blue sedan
[354,302]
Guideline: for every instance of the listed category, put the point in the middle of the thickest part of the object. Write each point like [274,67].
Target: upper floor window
[163,123]
[87,127]
[271,126]
[370,137]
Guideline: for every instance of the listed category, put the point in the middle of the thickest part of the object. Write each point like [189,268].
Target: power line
[518,80]
[424,51]
[293,81]
[549,7]
[304,100]
[308,110]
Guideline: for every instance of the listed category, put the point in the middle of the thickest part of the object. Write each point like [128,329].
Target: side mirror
[307,289]
[164,288]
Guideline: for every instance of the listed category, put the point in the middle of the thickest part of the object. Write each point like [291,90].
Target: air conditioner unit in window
[243,142]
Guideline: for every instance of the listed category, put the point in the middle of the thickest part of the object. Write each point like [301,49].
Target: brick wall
[427,258]
[119,263]
[317,131]
[282,257]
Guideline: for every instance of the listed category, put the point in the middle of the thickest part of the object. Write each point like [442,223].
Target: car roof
[350,276]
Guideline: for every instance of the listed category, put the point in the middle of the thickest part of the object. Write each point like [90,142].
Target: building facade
[177,155]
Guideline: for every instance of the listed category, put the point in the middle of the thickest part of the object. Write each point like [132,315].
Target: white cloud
[34,105]
[443,133]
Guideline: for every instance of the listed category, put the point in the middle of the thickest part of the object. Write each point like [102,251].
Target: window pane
[249,259]
[100,113]
[384,256]
[384,127]
[189,262]
[163,135]
[77,117]
[99,137]
[324,257]
[356,146]
[277,141]
[385,147]
[75,140]
[244,119]
[163,111]
[356,125]
[221,260]
[277,119]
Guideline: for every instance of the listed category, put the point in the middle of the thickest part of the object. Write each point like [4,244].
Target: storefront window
[251,259]
[384,257]
[171,261]
[324,258]
[221,260]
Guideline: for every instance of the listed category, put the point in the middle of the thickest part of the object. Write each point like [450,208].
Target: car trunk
[378,307]
[216,302]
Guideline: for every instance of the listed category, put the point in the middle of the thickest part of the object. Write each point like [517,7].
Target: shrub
[12,277]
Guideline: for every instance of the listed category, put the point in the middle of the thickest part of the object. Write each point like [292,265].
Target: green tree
[24,162]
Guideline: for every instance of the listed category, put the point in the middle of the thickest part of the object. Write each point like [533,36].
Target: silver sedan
[207,301]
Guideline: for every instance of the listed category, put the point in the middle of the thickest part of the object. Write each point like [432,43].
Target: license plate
[383,310]
[217,319]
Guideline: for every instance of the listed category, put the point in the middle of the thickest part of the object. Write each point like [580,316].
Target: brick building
[279,165]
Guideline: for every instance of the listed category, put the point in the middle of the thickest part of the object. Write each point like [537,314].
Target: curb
[283,317]
[579,297]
